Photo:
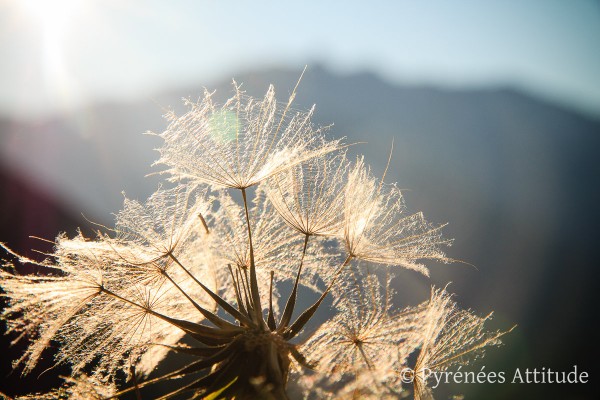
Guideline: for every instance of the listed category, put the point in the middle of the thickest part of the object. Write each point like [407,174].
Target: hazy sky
[56,54]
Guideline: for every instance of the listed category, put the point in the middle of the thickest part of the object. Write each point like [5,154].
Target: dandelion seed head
[240,143]
[450,336]
[81,387]
[193,264]
[378,228]
[164,224]
[310,196]
[366,331]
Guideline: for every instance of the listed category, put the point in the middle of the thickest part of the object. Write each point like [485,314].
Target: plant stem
[254,294]
[220,301]
[291,303]
[295,328]
[218,321]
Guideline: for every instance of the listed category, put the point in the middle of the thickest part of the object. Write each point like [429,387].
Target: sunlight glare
[56,21]
[53,16]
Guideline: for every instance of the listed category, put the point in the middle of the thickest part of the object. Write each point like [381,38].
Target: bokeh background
[493,107]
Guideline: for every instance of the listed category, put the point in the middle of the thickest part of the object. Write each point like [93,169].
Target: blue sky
[60,57]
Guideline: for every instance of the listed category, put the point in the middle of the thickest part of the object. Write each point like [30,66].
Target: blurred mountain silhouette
[516,177]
